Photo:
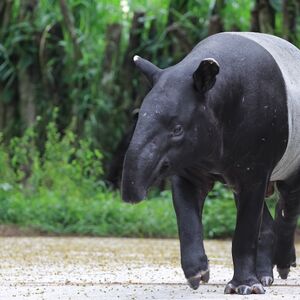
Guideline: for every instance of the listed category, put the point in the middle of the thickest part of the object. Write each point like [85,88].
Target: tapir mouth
[133,188]
[133,195]
[162,170]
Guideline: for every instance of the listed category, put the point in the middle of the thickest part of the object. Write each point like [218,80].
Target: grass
[102,213]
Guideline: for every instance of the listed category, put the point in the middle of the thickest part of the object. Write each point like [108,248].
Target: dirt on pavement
[116,268]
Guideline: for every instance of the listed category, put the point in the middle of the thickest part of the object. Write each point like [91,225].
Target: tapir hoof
[243,289]
[266,280]
[283,272]
[194,281]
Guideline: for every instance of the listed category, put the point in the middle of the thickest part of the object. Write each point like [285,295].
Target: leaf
[276,4]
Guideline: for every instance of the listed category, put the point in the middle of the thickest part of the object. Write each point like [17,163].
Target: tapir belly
[287,57]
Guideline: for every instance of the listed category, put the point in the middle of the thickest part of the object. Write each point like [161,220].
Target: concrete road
[109,268]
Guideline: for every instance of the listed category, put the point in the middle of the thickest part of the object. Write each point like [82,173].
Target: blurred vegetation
[62,194]
[76,56]
[59,192]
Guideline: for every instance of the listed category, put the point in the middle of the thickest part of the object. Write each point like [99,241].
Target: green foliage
[237,15]
[76,84]
[59,190]
[219,213]
[101,212]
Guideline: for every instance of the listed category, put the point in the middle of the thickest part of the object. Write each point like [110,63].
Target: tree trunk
[68,20]
[27,94]
[80,84]
[263,17]
[254,19]
[178,43]
[2,108]
[128,70]
[153,53]
[175,7]
[135,37]
[28,76]
[111,58]
[289,11]
[216,23]
[5,14]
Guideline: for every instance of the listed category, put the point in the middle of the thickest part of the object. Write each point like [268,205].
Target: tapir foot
[264,274]
[284,258]
[266,280]
[284,271]
[194,281]
[243,289]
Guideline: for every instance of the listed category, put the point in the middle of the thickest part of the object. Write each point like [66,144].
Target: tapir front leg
[188,202]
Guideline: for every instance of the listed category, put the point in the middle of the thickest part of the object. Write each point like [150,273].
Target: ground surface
[108,268]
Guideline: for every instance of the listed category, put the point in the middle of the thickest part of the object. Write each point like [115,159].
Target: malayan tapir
[230,112]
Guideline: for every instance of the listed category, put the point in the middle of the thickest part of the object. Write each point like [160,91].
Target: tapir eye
[178,130]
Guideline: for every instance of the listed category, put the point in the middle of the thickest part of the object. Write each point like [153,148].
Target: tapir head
[172,130]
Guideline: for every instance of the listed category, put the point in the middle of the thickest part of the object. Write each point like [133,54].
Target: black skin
[265,249]
[209,119]
[287,211]
[188,199]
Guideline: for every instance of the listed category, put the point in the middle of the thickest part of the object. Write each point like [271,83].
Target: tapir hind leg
[265,249]
[188,202]
[250,202]
[287,211]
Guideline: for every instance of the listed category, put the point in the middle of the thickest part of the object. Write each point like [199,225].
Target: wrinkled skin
[204,121]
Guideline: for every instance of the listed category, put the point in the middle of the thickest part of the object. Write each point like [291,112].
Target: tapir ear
[151,71]
[205,75]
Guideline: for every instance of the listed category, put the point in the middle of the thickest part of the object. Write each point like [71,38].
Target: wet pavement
[110,268]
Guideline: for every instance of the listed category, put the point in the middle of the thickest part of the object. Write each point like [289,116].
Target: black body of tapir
[229,111]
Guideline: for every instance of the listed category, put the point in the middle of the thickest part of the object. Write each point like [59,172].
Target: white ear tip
[211,61]
[135,58]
